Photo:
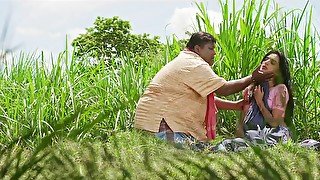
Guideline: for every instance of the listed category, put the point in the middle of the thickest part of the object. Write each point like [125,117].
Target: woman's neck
[272,82]
[275,81]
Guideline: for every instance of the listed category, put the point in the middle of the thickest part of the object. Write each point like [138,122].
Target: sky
[44,25]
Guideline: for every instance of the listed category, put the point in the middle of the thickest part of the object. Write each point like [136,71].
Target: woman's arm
[274,118]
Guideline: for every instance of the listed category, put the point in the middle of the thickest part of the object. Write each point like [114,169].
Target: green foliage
[34,99]
[174,46]
[138,155]
[111,37]
[66,122]
[245,35]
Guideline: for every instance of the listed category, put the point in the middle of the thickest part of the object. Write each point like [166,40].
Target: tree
[110,37]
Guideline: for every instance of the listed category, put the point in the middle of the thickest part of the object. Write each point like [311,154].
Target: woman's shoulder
[280,91]
[280,88]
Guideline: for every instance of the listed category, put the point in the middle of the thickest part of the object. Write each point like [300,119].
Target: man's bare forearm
[227,105]
[234,86]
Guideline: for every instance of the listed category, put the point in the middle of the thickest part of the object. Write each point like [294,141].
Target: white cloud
[184,19]
[216,18]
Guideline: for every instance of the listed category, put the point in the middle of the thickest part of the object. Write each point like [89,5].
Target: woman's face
[271,64]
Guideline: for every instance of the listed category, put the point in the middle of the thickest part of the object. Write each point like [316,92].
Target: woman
[271,102]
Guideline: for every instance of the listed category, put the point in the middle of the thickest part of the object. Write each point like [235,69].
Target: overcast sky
[44,24]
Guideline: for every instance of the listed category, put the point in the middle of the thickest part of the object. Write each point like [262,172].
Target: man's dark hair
[200,38]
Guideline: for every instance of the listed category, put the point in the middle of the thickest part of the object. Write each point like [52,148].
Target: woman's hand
[258,94]
[247,93]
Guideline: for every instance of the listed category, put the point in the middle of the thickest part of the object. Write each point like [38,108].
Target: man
[180,100]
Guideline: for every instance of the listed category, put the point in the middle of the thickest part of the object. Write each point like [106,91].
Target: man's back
[178,94]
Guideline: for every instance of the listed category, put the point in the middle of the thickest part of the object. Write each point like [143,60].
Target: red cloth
[211,117]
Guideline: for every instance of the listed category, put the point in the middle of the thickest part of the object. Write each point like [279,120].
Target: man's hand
[259,76]
[235,86]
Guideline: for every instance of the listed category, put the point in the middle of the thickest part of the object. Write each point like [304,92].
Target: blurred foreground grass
[137,155]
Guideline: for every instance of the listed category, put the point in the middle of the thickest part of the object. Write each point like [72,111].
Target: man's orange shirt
[178,93]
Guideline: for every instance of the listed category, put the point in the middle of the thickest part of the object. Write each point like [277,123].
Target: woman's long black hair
[285,73]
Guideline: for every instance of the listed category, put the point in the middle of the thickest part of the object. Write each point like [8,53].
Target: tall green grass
[47,116]
[34,99]
[245,35]
[137,155]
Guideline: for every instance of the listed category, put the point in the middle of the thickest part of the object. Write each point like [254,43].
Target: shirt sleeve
[281,98]
[203,80]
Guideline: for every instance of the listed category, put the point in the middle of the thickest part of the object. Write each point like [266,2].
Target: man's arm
[229,105]
[235,86]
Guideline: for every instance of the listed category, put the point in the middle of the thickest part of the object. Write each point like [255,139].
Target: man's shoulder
[190,58]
